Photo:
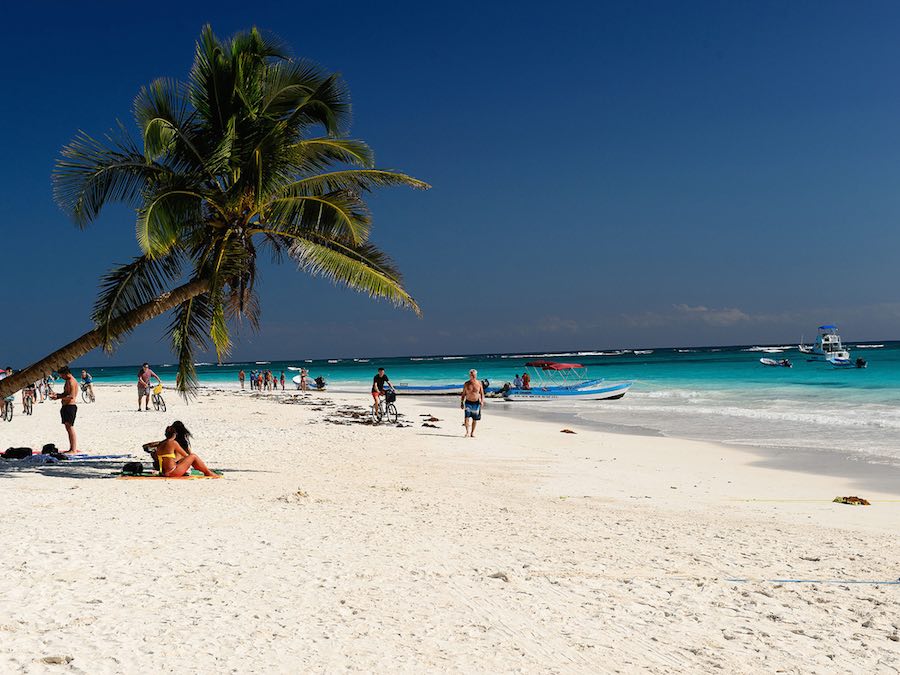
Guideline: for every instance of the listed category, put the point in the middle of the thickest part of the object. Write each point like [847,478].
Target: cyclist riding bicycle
[87,380]
[378,384]
[12,397]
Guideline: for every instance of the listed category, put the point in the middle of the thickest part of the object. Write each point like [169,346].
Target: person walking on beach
[143,384]
[69,410]
[282,380]
[241,376]
[304,379]
[471,401]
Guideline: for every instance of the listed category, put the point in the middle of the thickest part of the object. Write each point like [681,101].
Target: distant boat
[869,346]
[783,363]
[847,363]
[827,347]
[642,352]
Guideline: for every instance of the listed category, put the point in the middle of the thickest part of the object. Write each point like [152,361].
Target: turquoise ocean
[706,393]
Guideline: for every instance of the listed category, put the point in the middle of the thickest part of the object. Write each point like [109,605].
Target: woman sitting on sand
[172,455]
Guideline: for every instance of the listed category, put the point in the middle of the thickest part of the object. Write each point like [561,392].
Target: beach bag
[133,469]
[50,449]
[17,453]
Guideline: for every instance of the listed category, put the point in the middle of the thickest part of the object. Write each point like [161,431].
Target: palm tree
[231,167]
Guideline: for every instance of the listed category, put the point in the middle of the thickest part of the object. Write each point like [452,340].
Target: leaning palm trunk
[95,338]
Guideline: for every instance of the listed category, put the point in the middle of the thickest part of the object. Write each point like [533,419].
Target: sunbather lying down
[171,459]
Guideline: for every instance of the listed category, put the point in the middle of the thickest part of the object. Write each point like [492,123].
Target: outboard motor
[320,382]
[861,363]
[485,383]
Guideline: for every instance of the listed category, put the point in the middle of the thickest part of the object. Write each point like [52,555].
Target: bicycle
[159,403]
[385,408]
[8,409]
[87,393]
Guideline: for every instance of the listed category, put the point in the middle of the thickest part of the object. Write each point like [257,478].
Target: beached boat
[782,363]
[827,346]
[569,381]
[429,389]
[611,391]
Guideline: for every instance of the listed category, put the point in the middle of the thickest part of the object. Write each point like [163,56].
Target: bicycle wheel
[392,413]
[84,395]
[7,410]
[159,403]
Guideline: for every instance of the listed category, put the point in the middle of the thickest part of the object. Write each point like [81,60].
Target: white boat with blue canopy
[565,381]
[827,347]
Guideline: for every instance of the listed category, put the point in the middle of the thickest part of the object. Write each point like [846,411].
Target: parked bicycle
[8,408]
[385,408]
[87,392]
[158,401]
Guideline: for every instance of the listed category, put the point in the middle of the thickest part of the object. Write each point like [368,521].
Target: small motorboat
[781,363]
[438,389]
[848,363]
[567,381]
[611,391]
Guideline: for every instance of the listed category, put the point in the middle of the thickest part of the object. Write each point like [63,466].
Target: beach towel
[157,477]
[38,459]
[86,456]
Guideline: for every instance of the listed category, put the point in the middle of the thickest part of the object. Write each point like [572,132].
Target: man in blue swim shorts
[471,401]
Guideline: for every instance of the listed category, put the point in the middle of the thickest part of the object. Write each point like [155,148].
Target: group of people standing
[262,380]
[522,382]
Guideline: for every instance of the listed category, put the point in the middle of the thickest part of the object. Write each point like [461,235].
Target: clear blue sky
[605,174]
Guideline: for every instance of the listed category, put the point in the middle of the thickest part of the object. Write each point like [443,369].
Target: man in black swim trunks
[69,410]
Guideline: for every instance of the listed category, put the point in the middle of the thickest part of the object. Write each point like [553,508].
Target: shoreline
[868,472]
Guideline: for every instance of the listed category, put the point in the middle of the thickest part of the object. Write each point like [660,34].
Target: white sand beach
[349,547]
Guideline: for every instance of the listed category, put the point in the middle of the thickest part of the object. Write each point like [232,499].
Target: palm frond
[164,217]
[356,180]
[189,330]
[289,84]
[363,268]
[129,286]
[90,173]
[315,154]
[338,214]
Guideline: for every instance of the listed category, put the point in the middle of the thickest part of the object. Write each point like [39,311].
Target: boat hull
[429,389]
[607,392]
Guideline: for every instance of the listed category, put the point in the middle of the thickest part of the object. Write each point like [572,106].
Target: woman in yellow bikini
[171,458]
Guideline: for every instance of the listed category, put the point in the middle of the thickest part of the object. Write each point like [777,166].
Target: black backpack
[133,469]
[17,453]
[50,449]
